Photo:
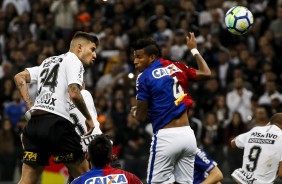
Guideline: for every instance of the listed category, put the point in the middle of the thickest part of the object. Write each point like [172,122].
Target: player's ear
[152,57]
[87,157]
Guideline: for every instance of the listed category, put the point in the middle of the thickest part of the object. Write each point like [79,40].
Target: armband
[194,51]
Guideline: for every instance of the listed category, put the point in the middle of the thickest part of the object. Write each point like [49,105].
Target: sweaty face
[88,53]
[141,60]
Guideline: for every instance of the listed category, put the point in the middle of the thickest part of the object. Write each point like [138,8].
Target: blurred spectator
[235,127]
[269,55]
[224,69]
[159,13]
[140,29]
[163,34]
[221,110]
[260,117]
[209,92]
[178,47]
[119,113]
[239,99]
[20,5]
[196,124]
[136,144]
[121,37]
[276,25]
[7,152]
[270,89]
[15,109]
[6,93]
[64,12]
[238,73]
[212,137]
[113,72]
[251,72]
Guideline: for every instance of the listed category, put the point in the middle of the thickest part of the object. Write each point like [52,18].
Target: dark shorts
[47,135]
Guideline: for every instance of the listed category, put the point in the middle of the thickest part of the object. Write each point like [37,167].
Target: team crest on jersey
[168,70]
[110,179]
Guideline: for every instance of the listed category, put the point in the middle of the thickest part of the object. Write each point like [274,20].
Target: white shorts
[172,156]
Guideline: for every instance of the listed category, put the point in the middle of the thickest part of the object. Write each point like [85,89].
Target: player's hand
[90,126]
[27,115]
[133,111]
[191,41]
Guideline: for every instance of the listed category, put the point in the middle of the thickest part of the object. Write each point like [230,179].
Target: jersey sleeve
[241,139]
[133,179]
[74,70]
[33,72]
[142,88]
[204,162]
[190,72]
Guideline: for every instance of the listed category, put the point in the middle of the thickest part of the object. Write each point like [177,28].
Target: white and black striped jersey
[262,154]
[53,77]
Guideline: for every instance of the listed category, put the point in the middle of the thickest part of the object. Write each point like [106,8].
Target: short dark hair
[149,46]
[276,119]
[100,151]
[87,36]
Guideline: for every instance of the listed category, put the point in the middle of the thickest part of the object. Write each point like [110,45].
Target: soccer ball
[239,20]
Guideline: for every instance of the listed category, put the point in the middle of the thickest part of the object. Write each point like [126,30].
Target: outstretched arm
[233,144]
[21,80]
[76,97]
[214,177]
[203,71]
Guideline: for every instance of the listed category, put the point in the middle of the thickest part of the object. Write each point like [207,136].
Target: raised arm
[77,98]
[21,79]
[203,71]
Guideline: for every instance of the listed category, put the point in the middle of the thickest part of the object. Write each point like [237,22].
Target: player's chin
[90,62]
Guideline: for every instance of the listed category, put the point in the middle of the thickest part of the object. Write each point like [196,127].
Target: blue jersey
[203,165]
[107,175]
[164,86]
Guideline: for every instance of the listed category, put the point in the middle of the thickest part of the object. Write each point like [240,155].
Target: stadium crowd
[244,91]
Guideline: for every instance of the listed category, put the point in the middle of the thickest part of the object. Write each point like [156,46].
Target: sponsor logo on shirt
[30,156]
[168,70]
[110,179]
[262,138]
[261,141]
[261,135]
[71,106]
[203,156]
[243,176]
[51,60]
[47,99]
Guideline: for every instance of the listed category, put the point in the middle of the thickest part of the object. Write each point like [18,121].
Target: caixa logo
[110,179]
[169,70]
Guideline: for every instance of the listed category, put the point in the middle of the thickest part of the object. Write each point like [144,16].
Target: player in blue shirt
[100,155]
[205,169]
[163,100]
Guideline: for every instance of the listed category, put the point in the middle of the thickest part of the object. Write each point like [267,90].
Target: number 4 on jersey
[49,79]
